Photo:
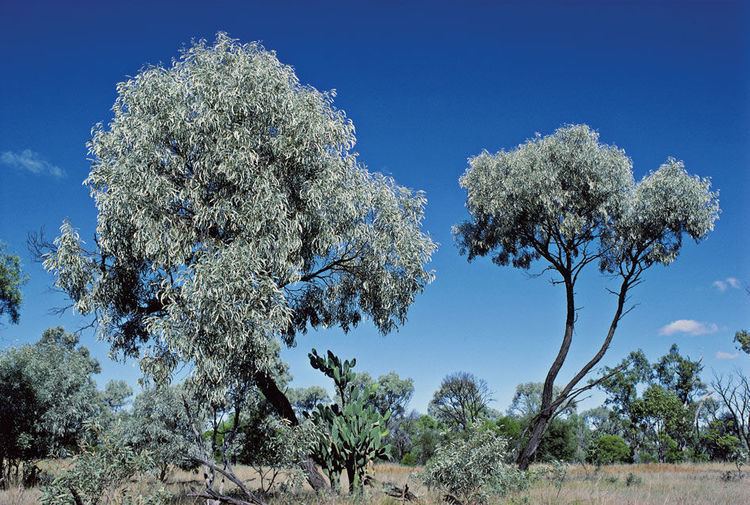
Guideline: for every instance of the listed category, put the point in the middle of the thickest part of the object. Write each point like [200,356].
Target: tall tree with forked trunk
[571,201]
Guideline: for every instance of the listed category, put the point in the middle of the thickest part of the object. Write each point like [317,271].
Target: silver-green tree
[11,280]
[48,399]
[116,394]
[306,399]
[158,424]
[572,201]
[233,212]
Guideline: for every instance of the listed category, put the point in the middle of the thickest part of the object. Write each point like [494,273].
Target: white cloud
[688,326]
[30,161]
[726,355]
[729,282]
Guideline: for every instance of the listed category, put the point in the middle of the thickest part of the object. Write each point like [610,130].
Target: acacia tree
[392,393]
[680,375]
[116,395]
[306,399]
[571,201]
[232,212]
[461,400]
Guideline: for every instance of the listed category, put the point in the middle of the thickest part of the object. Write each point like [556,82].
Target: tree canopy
[47,398]
[232,210]
[570,200]
[461,401]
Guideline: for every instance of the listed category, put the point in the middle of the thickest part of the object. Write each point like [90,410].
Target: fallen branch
[210,494]
[254,499]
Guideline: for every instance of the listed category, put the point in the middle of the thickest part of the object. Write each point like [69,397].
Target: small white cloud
[729,282]
[688,326]
[726,355]
[30,161]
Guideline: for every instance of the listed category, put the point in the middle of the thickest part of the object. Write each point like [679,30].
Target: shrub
[409,459]
[609,449]
[282,449]
[472,469]
[633,480]
[101,474]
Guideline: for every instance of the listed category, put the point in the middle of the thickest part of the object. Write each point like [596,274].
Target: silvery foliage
[284,448]
[569,192]
[232,210]
[65,395]
[472,469]
[159,424]
[104,473]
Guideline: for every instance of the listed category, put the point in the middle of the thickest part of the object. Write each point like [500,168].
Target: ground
[652,484]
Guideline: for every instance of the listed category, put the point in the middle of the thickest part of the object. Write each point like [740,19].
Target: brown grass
[661,484]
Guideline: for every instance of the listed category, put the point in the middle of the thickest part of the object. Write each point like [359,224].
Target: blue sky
[427,85]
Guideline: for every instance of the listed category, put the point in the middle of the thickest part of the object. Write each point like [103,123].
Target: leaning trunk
[546,409]
[550,406]
[283,407]
[537,432]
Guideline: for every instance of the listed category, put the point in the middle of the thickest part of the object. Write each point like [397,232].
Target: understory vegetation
[154,447]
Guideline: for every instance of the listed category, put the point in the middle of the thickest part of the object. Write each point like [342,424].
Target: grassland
[652,484]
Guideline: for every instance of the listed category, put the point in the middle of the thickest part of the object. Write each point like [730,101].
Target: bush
[101,475]
[281,449]
[409,459]
[633,480]
[470,470]
[609,449]
[559,442]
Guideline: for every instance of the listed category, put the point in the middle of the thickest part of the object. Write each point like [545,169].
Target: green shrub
[472,469]
[101,475]
[609,449]
[633,480]
[409,459]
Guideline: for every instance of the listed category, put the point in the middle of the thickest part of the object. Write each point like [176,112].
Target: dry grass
[661,484]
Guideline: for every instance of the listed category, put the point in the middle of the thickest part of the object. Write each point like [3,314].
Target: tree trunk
[351,477]
[283,407]
[525,457]
[546,409]
[550,406]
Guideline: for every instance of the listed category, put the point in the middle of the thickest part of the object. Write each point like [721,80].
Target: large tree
[571,201]
[392,393]
[527,400]
[233,212]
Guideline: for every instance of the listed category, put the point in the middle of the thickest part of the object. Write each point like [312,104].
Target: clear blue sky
[427,85]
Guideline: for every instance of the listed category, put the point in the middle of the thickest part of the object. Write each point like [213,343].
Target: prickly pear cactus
[351,435]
